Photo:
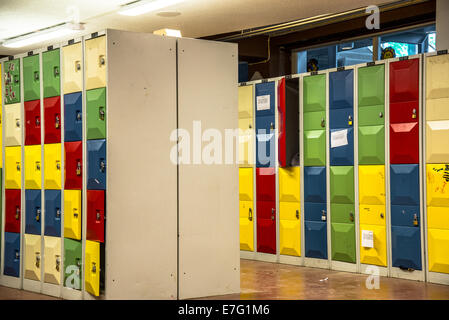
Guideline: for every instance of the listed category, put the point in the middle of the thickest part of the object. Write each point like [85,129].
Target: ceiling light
[168,32]
[141,7]
[43,35]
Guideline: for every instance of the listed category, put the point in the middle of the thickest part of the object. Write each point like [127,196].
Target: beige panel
[246,142]
[33,257]
[141,238]
[246,102]
[437,144]
[52,260]
[13,124]
[96,62]
[72,68]
[209,258]
[437,87]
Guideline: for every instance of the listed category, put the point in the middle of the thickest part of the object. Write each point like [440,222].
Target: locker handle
[58,165]
[38,214]
[55,71]
[38,166]
[351,217]
[18,123]
[323,123]
[94,267]
[78,115]
[297,214]
[101,113]
[271,126]
[75,214]
[17,255]
[381,115]
[17,213]
[414,113]
[58,262]
[58,212]
[38,260]
[16,79]
[250,126]
[78,263]
[250,214]
[101,60]
[18,166]
[37,122]
[350,120]
[78,167]
[36,75]
[98,217]
[102,166]
[57,121]
[382,215]
[415,220]
[77,65]
[323,215]
[272,214]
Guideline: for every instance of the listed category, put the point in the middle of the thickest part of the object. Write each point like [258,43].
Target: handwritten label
[367,239]
[339,138]
[263,102]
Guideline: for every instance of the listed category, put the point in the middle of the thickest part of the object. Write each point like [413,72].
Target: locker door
[52,260]
[52,169]
[265,184]
[32,257]
[315,211]
[315,120]
[342,184]
[314,88]
[404,91]
[96,164]
[437,87]
[265,99]
[315,184]
[53,213]
[437,193]
[316,239]
[33,122]
[372,145]
[51,72]
[72,263]
[282,143]
[246,184]
[31,80]
[265,126]
[341,99]
[92,268]
[246,225]
[96,113]
[289,124]
[289,184]
[52,116]
[372,214]
[315,148]
[341,152]
[404,184]
[95,215]
[246,142]
[290,228]
[72,214]
[73,165]
[246,100]
[72,67]
[437,145]
[11,74]
[404,143]
[95,57]
[377,255]
[12,254]
[266,227]
[13,125]
[73,125]
[372,185]
[371,95]
[33,212]
[12,210]
[33,162]
[13,163]
[343,242]
[342,212]
[406,216]
[438,239]
[406,247]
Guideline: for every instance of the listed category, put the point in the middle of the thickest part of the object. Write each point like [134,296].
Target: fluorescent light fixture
[43,35]
[168,32]
[141,7]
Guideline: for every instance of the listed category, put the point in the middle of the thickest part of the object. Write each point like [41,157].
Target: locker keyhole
[78,115]
[250,214]
[77,66]
[98,215]
[18,123]
[94,267]
[57,121]
[101,113]
[58,262]
[297,214]
[17,255]
[101,60]
[102,165]
[36,75]
[17,213]
[38,260]
[38,166]
[37,122]
[56,71]
[38,214]
[58,213]
[18,166]
[78,167]
[58,165]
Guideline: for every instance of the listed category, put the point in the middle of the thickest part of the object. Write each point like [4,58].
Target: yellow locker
[289,184]
[92,268]
[72,214]
[32,257]
[246,102]
[246,184]
[95,58]
[437,188]
[33,177]
[246,226]
[372,214]
[372,184]
[52,260]
[437,144]
[13,167]
[438,250]
[438,218]
[246,142]
[290,228]
[13,124]
[52,169]
[377,255]
[72,67]
[437,87]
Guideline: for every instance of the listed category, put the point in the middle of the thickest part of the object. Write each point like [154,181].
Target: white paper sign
[265,137]
[339,138]
[367,239]
[263,102]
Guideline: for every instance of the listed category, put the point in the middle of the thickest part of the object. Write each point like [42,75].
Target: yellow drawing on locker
[246,225]
[372,184]
[13,124]
[373,252]
[72,66]
[246,102]
[33,165]
[95,57]
[289,184]
[246,142]
[52,170]
[92,268]
[437,141]
[290,228]
[437,87]
[13,167]
[437,176]
[52,260]
[246,184]
[72,214]
[33,257]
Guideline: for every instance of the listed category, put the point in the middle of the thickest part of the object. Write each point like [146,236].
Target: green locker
[1,203]
[96,113]
[343,242]
[31,80]
[315,120]
[51,69]
[342,212]
[315,148]
[72,263]
[11,73]
[342,184]
[372,145]
[314,93]
[371,86]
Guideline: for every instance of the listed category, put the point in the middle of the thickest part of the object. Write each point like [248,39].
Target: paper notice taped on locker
[367,239]
[264,137]
[263,102]
[339,138]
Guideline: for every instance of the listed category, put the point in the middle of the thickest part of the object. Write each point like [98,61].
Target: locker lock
[18,166]
[415,220]
[38,122]
[38,166]
[38,214]
[98,216]
[297,214]
[17,255]
[56,71]
[94,267]
[272,213]
[58,213]
[101,60]
[77,66]
[323,123]
[58,165]
[38,260]
[323,215]
[57,121]
[101,113]
[18,123]
[350,120]
[58,262]
[17,216]
[75,214]
[382,215]
[78,167]
[78,115]
[102,166]
[271,126]
[351,217]
[36,75]
[250,126]
[78,263]
[250,214]
[414,113]
[381,115]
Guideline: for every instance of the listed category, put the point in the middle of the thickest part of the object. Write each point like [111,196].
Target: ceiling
[197,18]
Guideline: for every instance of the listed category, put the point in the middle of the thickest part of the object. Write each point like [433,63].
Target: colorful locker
[11,76]
[246,142]
[72,68]
[92,268]
[33,212]
[13,125]
[32,257]
[266,210]
[73,165]
[72,263]
[95,57]
[52,169]
[72,214]
[13,164]
[96,113]
[52,260]
[246,214]
[52,116]
[265,124]
[51,73]
[33,165]
[31,78]
[246,102]
[73,124]
[96,164]
[12,254]
[95,215]
[32,122]
[52,213]
[12,210]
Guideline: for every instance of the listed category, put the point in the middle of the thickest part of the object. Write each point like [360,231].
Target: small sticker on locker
[367,239]
[263,102]
[339,138]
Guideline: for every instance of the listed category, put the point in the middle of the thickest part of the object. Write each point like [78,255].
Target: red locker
[95,215]
[32,122]
[282,135]
[52,116]
[12,210]
[265,184]
[404,143]
[266,226]
[73,165]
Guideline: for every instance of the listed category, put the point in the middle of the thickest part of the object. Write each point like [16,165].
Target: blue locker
[265,91]
[315,184]
[96,164]
[341,99]
[33,211]
[406,247]
[315,211]
[342,155]
[341,118]
[404,216]
[404,184]
[73,107]
[265,141]
[53,213]
[12,254]
[316,239]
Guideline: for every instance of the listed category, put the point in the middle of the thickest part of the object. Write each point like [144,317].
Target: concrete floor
[263,280]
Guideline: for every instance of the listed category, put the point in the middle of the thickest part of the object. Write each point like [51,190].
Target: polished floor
[263,280]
